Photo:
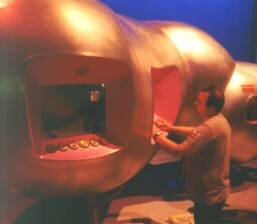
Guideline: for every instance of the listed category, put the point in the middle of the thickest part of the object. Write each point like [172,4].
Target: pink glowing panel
[166,92]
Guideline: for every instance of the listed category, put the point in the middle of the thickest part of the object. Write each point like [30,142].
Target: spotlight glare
[4,3]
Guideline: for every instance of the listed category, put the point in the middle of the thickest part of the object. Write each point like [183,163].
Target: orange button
[84,143]
[63,147]
[73,145]
[94,142]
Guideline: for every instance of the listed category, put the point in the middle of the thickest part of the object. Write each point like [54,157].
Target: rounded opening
[76,105]
[251,110]
[167,99]
[166,92]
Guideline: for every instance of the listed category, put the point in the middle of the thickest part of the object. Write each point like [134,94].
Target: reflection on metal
[76,18]
[69,43]
[189,41]
[241,111]
[77,43]
[235,84]
[251,110]
[206,62]
[5,3]
[94,95]
[83,42]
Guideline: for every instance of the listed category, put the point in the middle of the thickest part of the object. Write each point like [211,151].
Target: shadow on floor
[138,221]
[153,180]
[238,216]
[166,180]
[239,174]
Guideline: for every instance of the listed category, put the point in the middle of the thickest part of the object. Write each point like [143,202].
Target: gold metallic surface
[206,62]
[94,143]
[5,3]
[143,66]
[63,147]
[73,145]
[84,143]
[45,41]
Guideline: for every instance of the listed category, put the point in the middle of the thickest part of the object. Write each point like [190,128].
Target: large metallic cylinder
[81,86]
[206,63]
[58,59]
[49,48]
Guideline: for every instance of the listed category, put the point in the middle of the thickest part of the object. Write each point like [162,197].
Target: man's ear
[211,110]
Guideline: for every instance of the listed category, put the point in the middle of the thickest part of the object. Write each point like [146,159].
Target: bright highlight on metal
[4,3]
[77,18]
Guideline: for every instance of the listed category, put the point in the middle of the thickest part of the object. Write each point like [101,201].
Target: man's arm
[184,130]
[196,141]
[168,145]
[165,125]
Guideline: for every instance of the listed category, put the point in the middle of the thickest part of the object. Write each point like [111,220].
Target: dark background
[233,23]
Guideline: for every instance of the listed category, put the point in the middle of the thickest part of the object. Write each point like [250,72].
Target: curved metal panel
[240,109]
[206,62]
[50,47]
[62,41]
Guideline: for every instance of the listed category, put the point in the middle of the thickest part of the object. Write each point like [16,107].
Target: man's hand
[154,130]
[163,125]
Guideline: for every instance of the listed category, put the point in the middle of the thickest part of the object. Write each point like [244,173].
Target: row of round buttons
[84,143]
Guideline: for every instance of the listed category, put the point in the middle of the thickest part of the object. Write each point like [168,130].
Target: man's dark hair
[216,97]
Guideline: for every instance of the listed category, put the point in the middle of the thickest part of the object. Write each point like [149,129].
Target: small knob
[63,147]
[94,142]
[103,141]
[84,143]
[51,148]
[73,145]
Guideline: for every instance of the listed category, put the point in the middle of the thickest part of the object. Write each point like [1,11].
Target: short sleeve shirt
[206,161]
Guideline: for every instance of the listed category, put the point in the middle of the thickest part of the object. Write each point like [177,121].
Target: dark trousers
[207,214]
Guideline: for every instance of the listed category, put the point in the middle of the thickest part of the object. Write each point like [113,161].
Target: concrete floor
[163,204]
[241,207]
[150,197]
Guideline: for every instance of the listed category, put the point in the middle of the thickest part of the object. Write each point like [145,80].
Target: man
[205,155]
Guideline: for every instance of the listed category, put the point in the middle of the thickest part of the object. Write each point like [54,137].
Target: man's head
[210,101]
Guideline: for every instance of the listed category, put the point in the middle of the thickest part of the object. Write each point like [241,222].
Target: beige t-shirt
[206,161]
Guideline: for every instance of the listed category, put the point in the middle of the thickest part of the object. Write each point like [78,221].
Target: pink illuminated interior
[166,92]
